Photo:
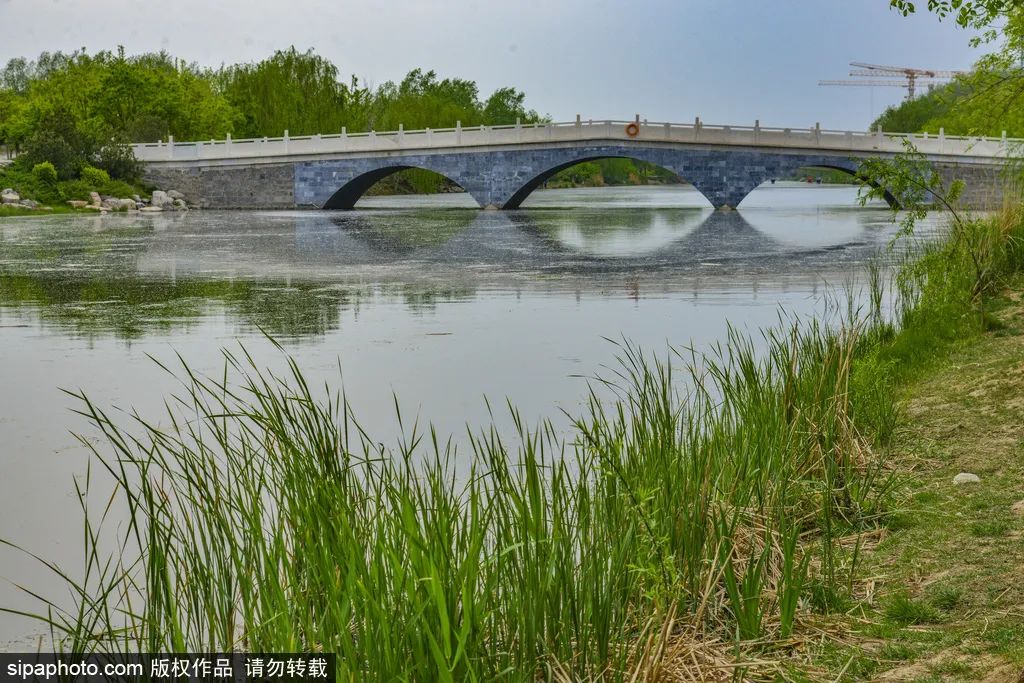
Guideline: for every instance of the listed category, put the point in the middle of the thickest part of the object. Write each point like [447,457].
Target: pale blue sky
[729,61]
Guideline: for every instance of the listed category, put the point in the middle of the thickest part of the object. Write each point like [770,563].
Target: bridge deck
[449,139]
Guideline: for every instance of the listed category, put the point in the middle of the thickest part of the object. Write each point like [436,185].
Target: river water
[425,299]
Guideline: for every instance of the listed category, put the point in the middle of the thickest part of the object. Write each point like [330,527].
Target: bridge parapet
[697,132]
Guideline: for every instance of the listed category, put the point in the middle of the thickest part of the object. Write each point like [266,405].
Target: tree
[295,91]
[979,14]
[506,106]
[987,100]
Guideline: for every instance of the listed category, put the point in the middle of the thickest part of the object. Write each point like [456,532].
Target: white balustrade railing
[579,130]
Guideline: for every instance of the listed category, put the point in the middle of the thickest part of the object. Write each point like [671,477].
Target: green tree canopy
[986,101]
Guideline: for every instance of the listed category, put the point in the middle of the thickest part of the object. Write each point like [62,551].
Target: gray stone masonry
[504,178]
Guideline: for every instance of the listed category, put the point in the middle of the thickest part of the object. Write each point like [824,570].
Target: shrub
[50,147]
[118,159]
[95,177]
[45,172]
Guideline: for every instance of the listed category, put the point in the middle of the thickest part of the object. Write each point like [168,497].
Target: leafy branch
[918,188]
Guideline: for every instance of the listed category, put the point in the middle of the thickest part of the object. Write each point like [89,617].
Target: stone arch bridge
[500,166]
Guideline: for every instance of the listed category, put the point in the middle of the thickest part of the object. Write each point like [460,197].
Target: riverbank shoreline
[941,590]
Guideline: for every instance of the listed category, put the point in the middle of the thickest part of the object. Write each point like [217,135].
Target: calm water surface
[427,299]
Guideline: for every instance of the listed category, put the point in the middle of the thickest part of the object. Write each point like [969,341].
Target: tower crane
[909,76]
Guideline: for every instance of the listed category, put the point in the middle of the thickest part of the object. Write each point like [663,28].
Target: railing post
[458,132]
[696,128]
[401,133]
[668,131]
[430,137]
[285,140]
[519,130]
[579,127]
[942,140]
[878,134]
[170,146]
[1002,144]
[817,133]
[757,131]
[227,141]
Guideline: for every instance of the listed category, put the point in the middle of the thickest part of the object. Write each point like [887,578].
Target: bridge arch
[346,196]
[889,197]
[724,177]
[527,188]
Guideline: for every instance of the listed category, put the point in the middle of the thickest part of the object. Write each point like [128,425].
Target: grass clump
[946,598]
[906,611]
[990,528]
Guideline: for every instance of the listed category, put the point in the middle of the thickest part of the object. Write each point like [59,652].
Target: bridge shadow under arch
[355,189]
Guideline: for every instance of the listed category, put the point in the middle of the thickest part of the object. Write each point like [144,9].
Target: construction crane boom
[920,73]
[910,76]
[895,84]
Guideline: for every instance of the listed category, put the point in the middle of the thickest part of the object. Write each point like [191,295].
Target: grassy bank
[679,535]
[941,594]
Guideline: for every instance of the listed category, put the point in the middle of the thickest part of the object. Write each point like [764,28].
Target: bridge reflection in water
[292,272]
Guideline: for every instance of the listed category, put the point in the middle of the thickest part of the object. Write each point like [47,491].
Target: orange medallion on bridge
[632,129]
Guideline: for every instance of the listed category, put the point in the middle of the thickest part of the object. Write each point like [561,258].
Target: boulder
[180,205]
[30,203]
[95,199]
[966,478]
[137,198]
[118,204]
[9,196]
[160,199]
[174,194]
[150,209]
[78,203]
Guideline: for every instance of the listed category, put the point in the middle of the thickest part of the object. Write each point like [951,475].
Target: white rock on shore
[118,204]
[161,200]
[966,478]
